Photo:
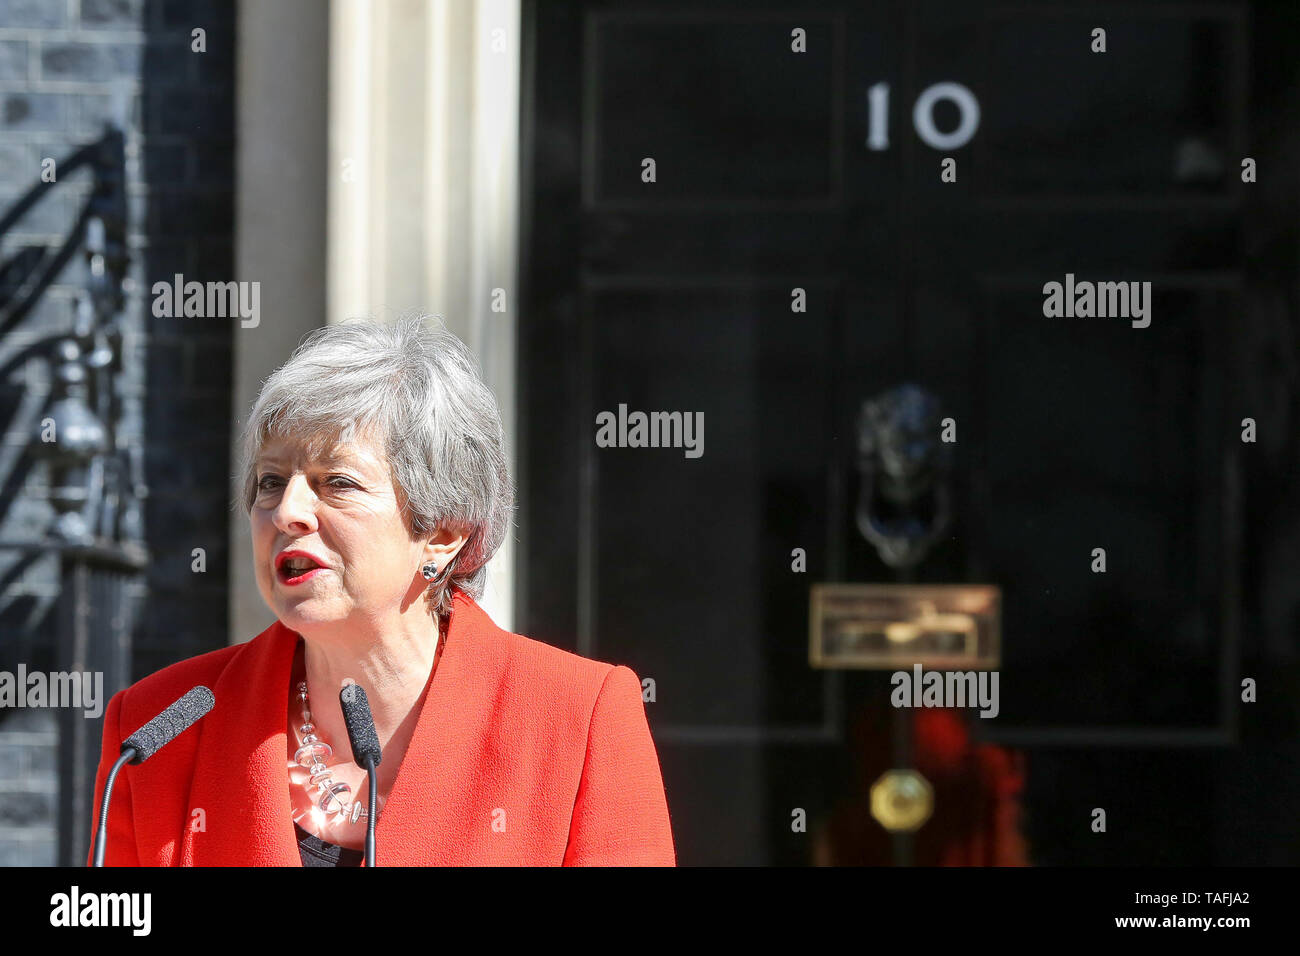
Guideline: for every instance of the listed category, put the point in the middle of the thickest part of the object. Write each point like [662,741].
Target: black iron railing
[96,476]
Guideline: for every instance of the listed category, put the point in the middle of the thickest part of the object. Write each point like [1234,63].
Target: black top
[316,852]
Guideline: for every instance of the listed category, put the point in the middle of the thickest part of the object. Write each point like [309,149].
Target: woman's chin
[299,614]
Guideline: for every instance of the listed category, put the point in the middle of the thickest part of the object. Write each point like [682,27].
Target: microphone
[146,742]
[365,751]
[168,725]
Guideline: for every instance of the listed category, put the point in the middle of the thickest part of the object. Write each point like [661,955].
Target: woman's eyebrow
[330,459]
[343,458]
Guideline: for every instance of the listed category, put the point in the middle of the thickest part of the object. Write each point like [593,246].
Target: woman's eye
[267,482]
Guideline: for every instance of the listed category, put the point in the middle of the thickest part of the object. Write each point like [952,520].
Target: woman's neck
[392,673]
[395,675]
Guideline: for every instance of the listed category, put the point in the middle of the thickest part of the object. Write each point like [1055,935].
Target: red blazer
[553,745]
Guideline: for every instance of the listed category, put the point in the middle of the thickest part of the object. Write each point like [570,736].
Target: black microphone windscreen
[170,724]
[360,723]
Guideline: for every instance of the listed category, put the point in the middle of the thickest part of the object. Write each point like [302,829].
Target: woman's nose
[296,512]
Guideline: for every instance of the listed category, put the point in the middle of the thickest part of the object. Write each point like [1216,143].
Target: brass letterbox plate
[893,626]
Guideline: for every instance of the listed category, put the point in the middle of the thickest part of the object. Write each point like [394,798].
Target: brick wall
[62,63]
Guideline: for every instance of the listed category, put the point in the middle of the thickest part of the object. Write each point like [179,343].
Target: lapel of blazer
[241,780]
[421,823]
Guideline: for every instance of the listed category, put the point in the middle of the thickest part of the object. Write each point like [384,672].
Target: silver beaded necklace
[332,799]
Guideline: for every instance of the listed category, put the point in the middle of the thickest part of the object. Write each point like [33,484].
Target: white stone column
[423,184]
[280,118]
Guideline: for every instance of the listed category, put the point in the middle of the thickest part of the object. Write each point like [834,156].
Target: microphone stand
[371,816]
[101,834]
[365,751]
[190,707]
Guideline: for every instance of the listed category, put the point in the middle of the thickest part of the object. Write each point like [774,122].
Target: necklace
[332,798]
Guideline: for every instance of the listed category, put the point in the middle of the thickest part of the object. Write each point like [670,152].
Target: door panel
[775,171]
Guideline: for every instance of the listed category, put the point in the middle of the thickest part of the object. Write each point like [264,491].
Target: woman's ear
[444,545]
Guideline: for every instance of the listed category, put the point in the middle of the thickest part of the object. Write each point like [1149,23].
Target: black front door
[744,216]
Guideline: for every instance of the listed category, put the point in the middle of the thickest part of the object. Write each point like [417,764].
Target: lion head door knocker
[904,504]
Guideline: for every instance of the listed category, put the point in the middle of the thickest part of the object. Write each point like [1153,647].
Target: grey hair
[418,389]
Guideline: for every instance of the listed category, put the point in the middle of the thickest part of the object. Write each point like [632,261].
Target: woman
[375,482]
